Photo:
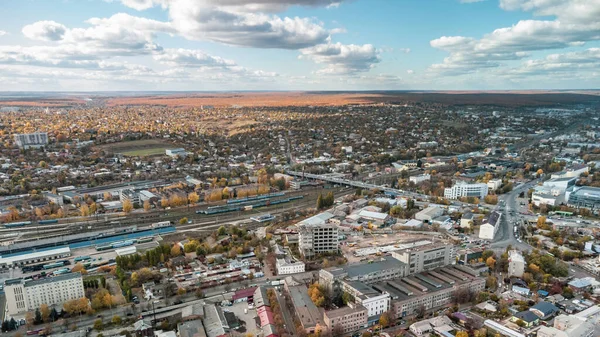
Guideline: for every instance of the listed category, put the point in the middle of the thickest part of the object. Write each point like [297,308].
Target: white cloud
[197,21]
[342,59]
[575,24]
[470,1]
[410,71]
[192,58]
[271,6]
[45,31]
[140,5]
[2,33]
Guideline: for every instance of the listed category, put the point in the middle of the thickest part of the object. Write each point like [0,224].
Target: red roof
[265,315]
[244,293]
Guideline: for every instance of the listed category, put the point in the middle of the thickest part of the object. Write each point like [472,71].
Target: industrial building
[429,213]
[306,311]
[462,189]
[14,260]
[583,197]
[22,296]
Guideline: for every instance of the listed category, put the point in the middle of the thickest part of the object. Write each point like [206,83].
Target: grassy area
[145,152]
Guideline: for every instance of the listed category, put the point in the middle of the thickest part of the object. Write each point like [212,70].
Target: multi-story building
[426,257]
[374,301]
[494,184]
[516,263]
[419,179]
[316,235]
[567,326]
[285,266]
[583,197]
[130,195]
[490,226]
[348,319]
[31,140]
[24,296]
[306,311]
[462,189]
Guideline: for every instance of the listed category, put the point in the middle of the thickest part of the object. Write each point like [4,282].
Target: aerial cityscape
[300,168]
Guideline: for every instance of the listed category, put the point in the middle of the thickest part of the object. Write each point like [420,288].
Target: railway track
[30,233]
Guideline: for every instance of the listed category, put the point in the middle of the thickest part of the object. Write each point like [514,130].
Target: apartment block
[31,140]
[516,263]
[24,296]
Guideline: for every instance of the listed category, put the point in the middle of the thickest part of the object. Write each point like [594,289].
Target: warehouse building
[14,260]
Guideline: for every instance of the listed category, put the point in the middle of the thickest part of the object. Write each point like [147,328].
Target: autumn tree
[384,319]
[45,311]
[176,250]
[164,202]
[462,334]
[84,210]
[79,268]
[127,206]
[147,206]
[490,262]
[193,198]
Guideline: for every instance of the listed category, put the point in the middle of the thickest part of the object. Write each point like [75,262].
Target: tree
[84,210]
[147,205]
[116,320]
[462,334]
[38,316]
[520,323]
[183,221]
[127,206]
[98,324]
[181,291]
[79,268]
[193,198]
[45,311]
[29,319]
[384,319]
[199,293]
[176,250]
[320,201]
[164,202]
[490,262]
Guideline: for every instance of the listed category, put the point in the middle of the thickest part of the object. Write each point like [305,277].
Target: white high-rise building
[31,140]
[24,296]
[463,189]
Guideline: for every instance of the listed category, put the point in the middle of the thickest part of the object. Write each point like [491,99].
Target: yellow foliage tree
[127,206]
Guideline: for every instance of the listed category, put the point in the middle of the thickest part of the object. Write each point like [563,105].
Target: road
[511,214]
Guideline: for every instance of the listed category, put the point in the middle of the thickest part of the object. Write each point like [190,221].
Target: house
[529,318]
[544,310]
[489,306]
[143,328]
[466,221]
[244,295]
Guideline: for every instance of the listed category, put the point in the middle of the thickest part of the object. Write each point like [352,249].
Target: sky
[220,45]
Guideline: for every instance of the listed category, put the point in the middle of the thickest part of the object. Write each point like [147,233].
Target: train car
[122,244]
[162,224]
[256,197]
[47,222]
[145,239]
[54,265]
[105,247]
[263,218]
[82,258]
[62,271]
[17,224]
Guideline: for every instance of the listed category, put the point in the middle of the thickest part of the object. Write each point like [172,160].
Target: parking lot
[246,319]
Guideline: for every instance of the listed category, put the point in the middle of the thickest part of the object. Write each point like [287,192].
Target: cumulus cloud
[342,59]
[575,24]
[197,21]
[2,33]
[45,31]
[571,63]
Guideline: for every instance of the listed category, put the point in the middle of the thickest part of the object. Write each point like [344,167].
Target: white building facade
[27,296]
[287,267]
[516,263]
[466,190]
[420,178]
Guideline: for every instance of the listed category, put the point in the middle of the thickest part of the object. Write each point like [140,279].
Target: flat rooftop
[424,283]
[316,220]
[9,260]
[54,279]
[368,268]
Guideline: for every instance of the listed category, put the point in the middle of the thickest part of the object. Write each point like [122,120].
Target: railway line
[34,232]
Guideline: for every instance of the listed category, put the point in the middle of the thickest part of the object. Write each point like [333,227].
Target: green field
[145,152]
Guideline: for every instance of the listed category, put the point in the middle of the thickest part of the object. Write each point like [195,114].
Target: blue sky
[299,44]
